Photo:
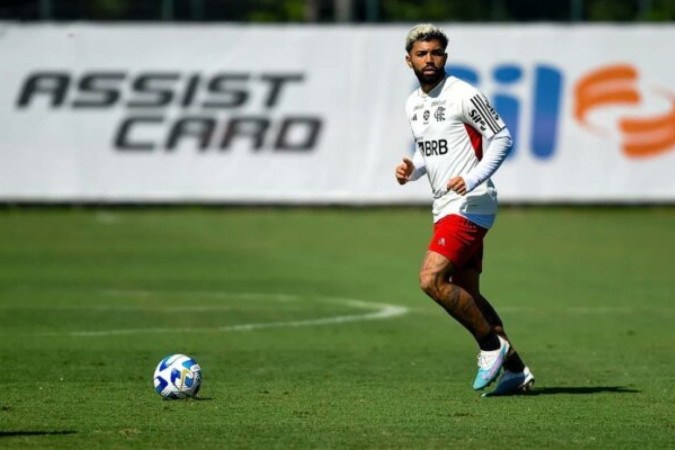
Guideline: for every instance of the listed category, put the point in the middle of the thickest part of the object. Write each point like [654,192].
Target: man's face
[427,59]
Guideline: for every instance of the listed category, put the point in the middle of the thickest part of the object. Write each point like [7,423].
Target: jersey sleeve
[480,115]
[477,112]
[498,149]
[420,165]
[417,158]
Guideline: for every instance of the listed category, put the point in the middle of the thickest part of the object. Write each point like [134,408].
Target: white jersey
[453,125]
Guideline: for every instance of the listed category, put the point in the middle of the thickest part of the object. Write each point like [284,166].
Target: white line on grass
[378,311]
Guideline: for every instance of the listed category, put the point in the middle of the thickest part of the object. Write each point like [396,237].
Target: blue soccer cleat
[511,383]
[489,364]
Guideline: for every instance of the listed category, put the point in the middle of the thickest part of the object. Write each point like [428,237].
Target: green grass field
[312,332]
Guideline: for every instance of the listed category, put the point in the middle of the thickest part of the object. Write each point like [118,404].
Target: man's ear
[408,61]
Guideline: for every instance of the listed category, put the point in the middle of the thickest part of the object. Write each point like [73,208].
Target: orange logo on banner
[616,85]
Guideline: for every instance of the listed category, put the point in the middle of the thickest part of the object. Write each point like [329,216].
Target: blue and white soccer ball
[178,376]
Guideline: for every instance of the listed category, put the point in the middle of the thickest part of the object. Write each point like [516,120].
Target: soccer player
[460,142]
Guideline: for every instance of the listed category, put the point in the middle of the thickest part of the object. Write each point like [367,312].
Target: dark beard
[427,80]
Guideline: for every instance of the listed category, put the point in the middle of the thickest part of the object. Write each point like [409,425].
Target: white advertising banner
[315,114]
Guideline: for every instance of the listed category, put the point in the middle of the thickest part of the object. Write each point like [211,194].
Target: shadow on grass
[581,390]
[570,390]
[35,433]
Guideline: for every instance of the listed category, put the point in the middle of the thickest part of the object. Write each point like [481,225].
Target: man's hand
[403,171]
[457,184]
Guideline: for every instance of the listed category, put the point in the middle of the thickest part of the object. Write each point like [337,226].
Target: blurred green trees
[383,11]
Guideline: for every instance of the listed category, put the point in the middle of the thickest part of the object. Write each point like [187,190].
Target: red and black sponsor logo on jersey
[163,110]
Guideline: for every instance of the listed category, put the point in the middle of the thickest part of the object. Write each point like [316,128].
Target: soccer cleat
[513,383]
[489,364]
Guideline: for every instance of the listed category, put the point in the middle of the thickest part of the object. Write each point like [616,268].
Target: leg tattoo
[434,280]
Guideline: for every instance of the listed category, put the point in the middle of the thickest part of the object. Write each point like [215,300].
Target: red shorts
[459,240]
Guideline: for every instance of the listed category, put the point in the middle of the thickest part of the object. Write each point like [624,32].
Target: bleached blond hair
[425,32]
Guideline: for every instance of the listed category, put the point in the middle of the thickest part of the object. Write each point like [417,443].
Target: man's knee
[435,286]
[435,275]
[429,284]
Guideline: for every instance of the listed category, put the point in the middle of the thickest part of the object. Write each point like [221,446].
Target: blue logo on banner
[546,103]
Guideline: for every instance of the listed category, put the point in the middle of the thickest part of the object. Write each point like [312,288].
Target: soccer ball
[178,376]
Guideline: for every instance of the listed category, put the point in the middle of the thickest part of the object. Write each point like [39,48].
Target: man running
[460,142]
